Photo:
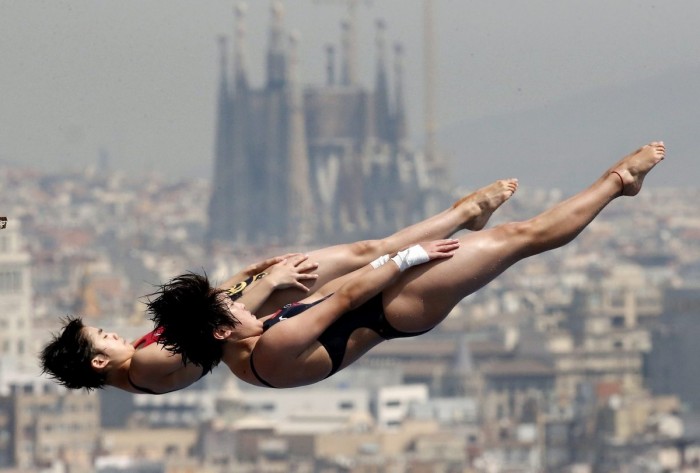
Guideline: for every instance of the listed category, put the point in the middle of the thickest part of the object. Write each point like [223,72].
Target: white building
[394,403]
[17,353]
[298,410]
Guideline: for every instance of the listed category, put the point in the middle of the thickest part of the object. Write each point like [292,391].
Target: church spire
[330,65]
[223,68]
[240,72]
[345,64]
[399,120]
[222,147]
[301,208]
[382,114]
[276,58]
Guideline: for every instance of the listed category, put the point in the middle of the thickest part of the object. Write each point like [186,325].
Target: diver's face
[248,325]
[115,348]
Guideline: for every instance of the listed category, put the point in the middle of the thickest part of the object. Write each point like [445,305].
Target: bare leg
[471,212]
[425,295]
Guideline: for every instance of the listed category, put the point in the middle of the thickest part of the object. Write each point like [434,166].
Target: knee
[366,248]
[517,230]
[518,233]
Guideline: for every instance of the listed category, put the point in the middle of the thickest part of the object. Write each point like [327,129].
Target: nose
[239,305]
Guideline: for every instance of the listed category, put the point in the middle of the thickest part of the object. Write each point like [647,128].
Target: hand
[439,249]
[290,271]
[257,268]
[421,254]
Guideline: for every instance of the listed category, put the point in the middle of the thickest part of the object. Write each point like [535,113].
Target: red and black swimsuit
[143,342]
[148,339]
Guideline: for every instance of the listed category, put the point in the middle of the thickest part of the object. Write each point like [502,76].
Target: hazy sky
[139,77]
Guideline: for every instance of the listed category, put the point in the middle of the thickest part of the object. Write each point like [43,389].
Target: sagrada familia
[299,164]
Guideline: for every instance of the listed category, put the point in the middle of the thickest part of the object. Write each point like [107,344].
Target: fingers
[307,267]
[289,273]
[298,278]
[307,276]
[255,268]
[298,259]
[289,255]
[439,249]
[301,287]
[442,245]
[302,263]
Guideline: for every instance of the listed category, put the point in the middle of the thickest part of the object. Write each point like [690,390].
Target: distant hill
[570,142]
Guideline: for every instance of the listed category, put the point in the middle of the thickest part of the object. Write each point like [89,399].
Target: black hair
[188,310]
[67,358]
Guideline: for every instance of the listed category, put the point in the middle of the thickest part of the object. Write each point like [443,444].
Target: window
[10,281]
[346,405]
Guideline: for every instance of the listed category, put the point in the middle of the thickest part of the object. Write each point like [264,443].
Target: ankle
[622,182]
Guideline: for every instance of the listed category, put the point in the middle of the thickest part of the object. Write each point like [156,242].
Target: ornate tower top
[330,64]
[276,59]
[240,49]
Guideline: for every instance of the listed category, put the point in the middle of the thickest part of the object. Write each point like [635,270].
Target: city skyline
[558,342]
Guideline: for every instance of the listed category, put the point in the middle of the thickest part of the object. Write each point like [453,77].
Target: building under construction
[298,164]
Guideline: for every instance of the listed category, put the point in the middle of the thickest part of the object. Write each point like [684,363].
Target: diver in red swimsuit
[87,357]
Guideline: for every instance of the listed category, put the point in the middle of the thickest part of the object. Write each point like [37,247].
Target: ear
[222,333]
[100,361]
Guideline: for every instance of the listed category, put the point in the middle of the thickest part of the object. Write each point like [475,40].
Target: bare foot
[633,168]
[478,206]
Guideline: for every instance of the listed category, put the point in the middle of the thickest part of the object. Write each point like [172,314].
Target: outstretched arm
[295,335]
[286,271]
[381,272]
[253,270]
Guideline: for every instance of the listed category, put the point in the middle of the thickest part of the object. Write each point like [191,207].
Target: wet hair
[67,358]
[188,309]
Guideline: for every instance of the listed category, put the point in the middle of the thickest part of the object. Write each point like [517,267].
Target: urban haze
[120,167]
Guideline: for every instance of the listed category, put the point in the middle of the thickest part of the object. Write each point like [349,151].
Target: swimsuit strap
[255,372]
[140,388]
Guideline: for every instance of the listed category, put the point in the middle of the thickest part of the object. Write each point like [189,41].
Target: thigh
[423,296]
[334,262]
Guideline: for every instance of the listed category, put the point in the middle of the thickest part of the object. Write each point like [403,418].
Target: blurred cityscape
[581,360]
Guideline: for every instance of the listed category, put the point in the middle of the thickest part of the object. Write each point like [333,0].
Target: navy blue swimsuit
[335,338]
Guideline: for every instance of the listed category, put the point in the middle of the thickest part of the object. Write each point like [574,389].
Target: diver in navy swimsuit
[386,299]
[88,357]
[335,338]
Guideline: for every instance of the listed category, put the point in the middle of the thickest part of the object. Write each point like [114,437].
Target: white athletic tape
[379,261]
[411,256]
